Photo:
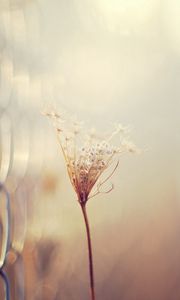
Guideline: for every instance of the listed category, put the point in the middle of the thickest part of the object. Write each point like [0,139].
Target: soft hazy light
[5,147]
[171,24]
[105,61]
[6,75]
[126,15]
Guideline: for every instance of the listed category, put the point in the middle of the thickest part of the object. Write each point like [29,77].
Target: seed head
[87,158]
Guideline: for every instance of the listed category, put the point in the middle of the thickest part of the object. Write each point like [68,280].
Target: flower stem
[91,271]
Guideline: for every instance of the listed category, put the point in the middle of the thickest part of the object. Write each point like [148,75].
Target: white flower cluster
[86,163]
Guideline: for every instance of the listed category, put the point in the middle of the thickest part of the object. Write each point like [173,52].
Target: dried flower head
[87,156]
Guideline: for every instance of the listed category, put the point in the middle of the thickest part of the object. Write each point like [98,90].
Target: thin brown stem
[91,270]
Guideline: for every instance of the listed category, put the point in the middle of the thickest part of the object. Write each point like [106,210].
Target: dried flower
[88,156]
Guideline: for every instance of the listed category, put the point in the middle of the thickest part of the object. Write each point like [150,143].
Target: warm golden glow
[104,61]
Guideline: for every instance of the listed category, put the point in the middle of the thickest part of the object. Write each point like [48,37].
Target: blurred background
[105,61]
